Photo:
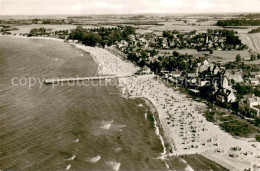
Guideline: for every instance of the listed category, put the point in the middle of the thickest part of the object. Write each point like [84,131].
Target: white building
[254,104]
[254,81]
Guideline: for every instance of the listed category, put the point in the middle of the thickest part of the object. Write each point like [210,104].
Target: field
[252,41]
[228,56]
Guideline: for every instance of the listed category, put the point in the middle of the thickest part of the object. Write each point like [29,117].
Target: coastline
[159,96]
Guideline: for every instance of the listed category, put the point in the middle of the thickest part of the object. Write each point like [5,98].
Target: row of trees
[253,57]
[257,30]
[38,31]
[244,89]
[101,36]
[238,22]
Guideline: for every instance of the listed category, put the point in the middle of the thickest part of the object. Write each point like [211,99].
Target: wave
[68,167]
[114,165]
[106,124]
[72,158]
[94,159]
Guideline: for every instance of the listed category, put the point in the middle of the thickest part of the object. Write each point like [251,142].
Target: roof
[175,72]
[194,91]
[254,99]
[164,71]
[254,73]
[192,75]
[254,79]
[145,67]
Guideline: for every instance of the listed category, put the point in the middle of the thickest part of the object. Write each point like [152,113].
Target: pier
[58,80]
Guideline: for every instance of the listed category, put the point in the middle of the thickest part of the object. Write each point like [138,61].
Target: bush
[257,137]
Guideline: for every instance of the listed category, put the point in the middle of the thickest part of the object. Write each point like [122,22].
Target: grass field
[252,41]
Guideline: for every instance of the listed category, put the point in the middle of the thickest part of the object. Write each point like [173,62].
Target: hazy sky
[42,7]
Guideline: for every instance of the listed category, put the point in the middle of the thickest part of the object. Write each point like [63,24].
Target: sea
[73,127]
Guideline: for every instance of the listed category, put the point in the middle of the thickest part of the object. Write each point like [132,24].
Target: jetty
[58,80]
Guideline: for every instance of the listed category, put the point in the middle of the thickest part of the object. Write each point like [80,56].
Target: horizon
[124,7]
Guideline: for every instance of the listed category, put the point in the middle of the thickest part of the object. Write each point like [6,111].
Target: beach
[183,124]
[187,129]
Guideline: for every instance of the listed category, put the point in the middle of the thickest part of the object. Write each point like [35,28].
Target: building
[164,73]
[175,74]
[253,104]
[203,66]
[225,96]
[237,76]
[145,71]
[254,81]
[255,74]
[225,83]
[122,43]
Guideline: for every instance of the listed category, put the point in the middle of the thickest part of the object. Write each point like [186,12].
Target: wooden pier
[59,80]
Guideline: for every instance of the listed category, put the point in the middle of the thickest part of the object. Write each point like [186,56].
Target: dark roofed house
[225,96]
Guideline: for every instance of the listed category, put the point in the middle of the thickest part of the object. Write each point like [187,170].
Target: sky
[51,7]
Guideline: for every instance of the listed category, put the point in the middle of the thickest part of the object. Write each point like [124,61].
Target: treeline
[48,21]
[101,36]
[238,22]
[257,30]
[256,15]
[37,31]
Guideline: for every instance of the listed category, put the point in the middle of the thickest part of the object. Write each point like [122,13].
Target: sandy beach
[185,127]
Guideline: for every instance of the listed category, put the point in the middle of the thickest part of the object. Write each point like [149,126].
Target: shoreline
[174,108]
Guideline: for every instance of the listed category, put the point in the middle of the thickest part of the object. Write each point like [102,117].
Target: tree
[34,31]
[238,58]
[253,57]
[258,56]
[243,89]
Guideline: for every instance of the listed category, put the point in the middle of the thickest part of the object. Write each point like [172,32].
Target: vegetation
[238,58]
[254,31]
[257,137]
[230,123]
[101,36]
[236,128]
[238,22]
[38,31]
[243,89]
[253,57]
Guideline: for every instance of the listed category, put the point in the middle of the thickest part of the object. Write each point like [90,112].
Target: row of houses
[220,79]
